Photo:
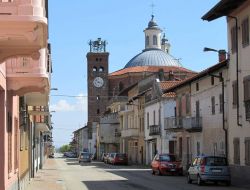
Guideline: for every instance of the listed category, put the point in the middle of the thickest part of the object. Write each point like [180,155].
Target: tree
[64,148]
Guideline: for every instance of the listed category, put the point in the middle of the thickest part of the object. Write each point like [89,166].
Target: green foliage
[65,148]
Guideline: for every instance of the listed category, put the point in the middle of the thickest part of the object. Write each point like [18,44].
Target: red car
[119,158]
[166,164]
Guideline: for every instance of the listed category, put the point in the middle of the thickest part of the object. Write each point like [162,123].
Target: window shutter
[246,83]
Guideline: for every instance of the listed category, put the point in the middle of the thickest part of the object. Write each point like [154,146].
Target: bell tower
[97,68]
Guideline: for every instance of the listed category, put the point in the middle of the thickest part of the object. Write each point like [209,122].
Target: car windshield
[85,155]
[216,161]
[167,158]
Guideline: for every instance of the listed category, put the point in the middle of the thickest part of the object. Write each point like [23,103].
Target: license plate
[216,171]
[172,170]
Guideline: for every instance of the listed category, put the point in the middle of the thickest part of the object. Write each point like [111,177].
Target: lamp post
[221,78]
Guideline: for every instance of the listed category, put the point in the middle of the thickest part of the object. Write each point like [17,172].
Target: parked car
[84,157]
[69,154]
[165,164]
[209,168]
[103,156]
[111,158]
[105,159]
[119,158]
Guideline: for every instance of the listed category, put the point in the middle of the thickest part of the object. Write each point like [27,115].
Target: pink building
[24,83]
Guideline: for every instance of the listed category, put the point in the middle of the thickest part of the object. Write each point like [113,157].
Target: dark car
[166,164]
[84,157]
[119,158]
[209,168]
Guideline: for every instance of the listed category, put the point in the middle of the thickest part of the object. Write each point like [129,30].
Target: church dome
[153,57]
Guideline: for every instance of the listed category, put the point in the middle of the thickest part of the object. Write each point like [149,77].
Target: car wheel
[199,181]
[189,180]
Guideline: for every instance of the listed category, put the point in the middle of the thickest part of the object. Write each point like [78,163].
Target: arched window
[101,69]
[147,40]
[154,40]
[94,69]
[121,86]
[98,111]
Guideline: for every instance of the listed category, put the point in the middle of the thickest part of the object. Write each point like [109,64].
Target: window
[197,86]
[154,117]
[234,85]
[236,150]
[180,148]
[94,69]
[98,111]
[245,32]
[147,40]
[101,69]
[246,83]
[187,103]
[198,148]
[247,151]
[221,103]
[154,40]
[221,76]
[148,120]
[121,86]
[212,80]
[213,105]
[197,106]
[98,97]
[233,39]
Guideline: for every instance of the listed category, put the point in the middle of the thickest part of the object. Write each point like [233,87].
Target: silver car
[84,157]
[209,168]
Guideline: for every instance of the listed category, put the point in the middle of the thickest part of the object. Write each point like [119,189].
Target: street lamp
[221,78]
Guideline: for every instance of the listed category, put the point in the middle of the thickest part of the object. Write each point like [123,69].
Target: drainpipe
[237,68]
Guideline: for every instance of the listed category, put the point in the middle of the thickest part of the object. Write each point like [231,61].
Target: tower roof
[152,24]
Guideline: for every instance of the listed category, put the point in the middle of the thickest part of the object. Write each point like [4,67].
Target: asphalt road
[100,176]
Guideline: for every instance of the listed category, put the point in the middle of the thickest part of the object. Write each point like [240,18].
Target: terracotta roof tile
[169,95]
[167,84]
[154,69]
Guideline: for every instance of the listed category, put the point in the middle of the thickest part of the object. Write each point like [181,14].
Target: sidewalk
[47,178]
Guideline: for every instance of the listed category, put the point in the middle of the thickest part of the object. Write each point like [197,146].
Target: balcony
[42,123]
[110,118]
[174,124]
[192,124]
[130,133]
[154,130]
[23,28]
[25,75]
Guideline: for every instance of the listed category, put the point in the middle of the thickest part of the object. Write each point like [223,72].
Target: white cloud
[80,104]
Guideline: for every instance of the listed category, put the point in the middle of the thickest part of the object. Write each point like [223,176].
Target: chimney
[222,55]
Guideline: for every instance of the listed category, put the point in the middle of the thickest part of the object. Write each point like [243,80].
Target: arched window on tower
[101,69]
[94,69]
[121,86]
[147,40]
[154,40]
[97,111]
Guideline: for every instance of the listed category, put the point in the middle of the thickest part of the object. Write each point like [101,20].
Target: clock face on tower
[98,82]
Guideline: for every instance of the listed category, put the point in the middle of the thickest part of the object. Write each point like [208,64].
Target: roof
[167,84]
[223,8]
[199,75]
[169,95]
[153,57]
[153,69]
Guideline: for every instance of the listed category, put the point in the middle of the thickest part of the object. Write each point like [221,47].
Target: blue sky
[73,23]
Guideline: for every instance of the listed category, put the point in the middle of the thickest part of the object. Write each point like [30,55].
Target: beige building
[237,14]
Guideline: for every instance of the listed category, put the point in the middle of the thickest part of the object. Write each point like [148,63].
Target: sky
[72,24]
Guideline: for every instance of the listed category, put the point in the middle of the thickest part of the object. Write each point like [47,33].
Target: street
[70,175]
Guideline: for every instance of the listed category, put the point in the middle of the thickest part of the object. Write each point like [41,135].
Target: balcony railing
[192,124]
[154,130]
[173,123]
[110,118]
